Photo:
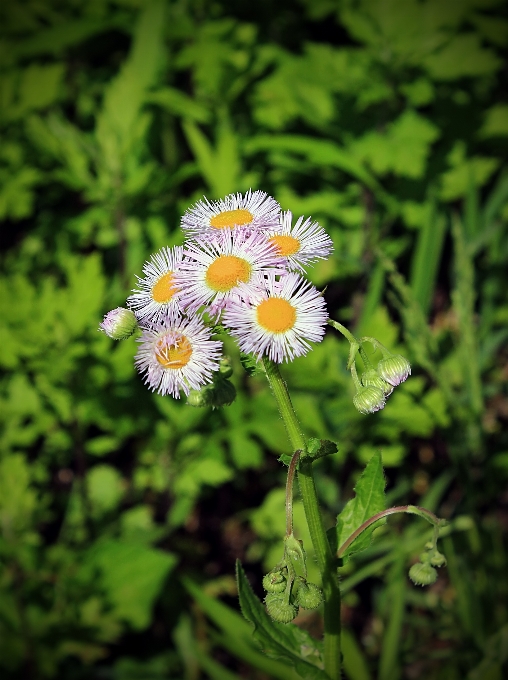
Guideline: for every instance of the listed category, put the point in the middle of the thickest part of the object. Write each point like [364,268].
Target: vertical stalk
[324,557]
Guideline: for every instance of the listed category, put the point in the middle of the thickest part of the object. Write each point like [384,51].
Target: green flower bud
[422,574]
[225,368]
[274,582]
[202,397]
[119,324]
[369,399]
[371,379]
[308,595]
[437,559]
[424,557]
[394,369]
[219,393]
[279,609]
[224,393]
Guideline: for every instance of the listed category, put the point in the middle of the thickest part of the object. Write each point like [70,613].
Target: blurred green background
[121,512]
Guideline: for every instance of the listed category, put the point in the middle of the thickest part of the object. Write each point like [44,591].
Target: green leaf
[368,501]
[318,448]
[132,575]
[278,640]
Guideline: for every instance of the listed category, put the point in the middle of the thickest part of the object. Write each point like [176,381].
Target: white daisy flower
[157,294]
[255,210]
[280,321]
[177,354]
[302,244]
[216,270]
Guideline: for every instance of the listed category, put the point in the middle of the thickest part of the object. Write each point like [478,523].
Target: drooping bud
[274,582]
[370,378]
[279,609]
[394,369]
[308,595]
[422,574]
[437,559]
[119,324]
[225,368]
[369,399]
[219,393]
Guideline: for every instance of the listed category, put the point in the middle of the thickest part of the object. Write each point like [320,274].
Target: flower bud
[119,324]
[394,369]
[422,574]
[437,559]
[225,368]
[371,379]
[369,399]
[279,609]
[309,595]
[274,582]
[219,393]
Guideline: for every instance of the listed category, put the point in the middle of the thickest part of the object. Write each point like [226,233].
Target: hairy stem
[289,492]
[325,559]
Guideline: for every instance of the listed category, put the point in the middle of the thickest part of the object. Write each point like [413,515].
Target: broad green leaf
[276,639]
[369,499]
[104,487]
[403,149]
[132,576]
[496,122]
[463,56]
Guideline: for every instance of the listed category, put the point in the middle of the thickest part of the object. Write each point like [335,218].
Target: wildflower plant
[241,271]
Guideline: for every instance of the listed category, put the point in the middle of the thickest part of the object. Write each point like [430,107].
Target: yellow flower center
[231,218]
[164,289]
[173,355]
[285,245]
[276,315]
[226,272]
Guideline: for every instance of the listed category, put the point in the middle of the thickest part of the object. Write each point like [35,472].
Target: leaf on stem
[368,501]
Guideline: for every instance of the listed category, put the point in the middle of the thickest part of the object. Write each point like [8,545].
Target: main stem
[324,557]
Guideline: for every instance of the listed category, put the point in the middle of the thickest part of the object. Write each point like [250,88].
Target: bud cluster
[423,573]
[285,594]
[376,384]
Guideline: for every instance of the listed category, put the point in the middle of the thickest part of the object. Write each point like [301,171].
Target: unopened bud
[437,559]
[394,369]
[119,324]
[309,595]
[369,399]
[225,368]
[219,393]
[422,574]
[279,609]
[274,582]
[371,379]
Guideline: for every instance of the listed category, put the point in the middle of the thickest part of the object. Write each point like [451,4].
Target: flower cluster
[241,268]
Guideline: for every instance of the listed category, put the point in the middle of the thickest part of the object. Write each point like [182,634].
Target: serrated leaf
[368,501]
[278,640]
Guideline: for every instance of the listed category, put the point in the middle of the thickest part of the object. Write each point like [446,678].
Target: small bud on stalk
[394,369]
[422,574]
[279,609]
[370,378]
[119,324]
[369,399]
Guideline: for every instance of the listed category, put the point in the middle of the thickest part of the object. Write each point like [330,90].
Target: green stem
[289,492]
[410,509]
[325,559]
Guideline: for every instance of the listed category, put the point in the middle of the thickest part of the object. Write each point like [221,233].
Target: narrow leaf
[368,501]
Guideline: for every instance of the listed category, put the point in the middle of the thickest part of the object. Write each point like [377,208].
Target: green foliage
[387,122]
[368,501]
